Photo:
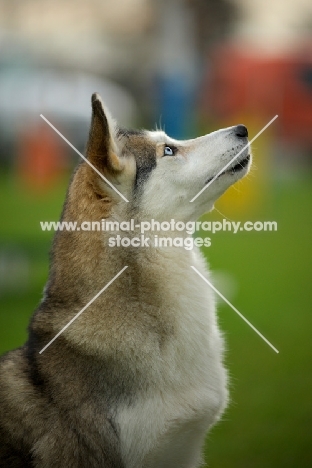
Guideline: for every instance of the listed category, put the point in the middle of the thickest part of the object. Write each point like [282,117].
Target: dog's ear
[102,150]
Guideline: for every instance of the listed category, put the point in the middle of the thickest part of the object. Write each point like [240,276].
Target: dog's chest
[188,386]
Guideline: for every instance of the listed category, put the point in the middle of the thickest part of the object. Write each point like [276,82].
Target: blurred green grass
[20,213]
[268,421]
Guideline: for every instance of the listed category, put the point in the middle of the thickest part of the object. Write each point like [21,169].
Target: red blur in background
[239,83]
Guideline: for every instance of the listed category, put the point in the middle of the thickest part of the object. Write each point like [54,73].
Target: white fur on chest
[166,425]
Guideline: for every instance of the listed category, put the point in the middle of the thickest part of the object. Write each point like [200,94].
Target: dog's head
[159,176]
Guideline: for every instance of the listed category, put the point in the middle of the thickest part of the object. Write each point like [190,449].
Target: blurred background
[190,67]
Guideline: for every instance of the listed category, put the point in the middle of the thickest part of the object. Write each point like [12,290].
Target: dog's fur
[137,380]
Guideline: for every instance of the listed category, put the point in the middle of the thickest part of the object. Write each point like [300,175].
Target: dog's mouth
[238,166]
[234,169]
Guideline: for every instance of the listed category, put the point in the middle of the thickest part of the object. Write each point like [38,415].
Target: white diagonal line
[235,310]
[83,309]
[84,158]
[228,164]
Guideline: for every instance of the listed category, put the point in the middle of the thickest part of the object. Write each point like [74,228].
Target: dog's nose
[241,131]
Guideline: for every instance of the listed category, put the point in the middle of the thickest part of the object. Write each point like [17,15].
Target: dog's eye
[168,151]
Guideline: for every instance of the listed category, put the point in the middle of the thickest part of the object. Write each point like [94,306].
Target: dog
[137,380]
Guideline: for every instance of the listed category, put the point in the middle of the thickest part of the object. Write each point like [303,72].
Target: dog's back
[143,393]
